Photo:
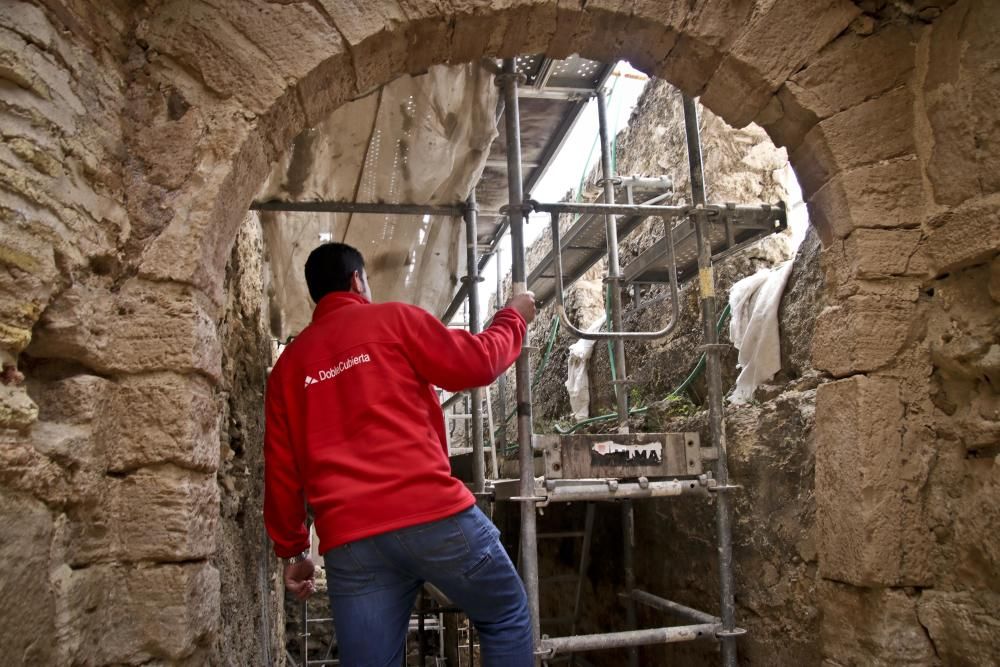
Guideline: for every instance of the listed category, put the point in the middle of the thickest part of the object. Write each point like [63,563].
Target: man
[354,427]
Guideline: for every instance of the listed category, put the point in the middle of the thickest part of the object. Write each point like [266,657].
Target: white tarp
[418,140]
[753,327]
[577,380]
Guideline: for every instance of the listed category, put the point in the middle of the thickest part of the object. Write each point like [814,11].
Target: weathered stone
[144,327]
[861,334]
[160,418]
[113,614]
[876,628]
[17,410]
[26,636]
[802,300]
[887,194]
[72,400]
[858,499]
[24,469]
[995,278]
[702,43]
[961,90]
[159,514]
[165,514]
[875,130]
[963,625]
[776,42]
[878,253]
[965,235]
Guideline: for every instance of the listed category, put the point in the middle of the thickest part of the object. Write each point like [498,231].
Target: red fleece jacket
[354,426]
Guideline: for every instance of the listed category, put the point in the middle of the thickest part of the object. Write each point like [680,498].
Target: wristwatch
[297,558]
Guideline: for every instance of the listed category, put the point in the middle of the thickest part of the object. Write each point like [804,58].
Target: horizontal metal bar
[554,93]
[647,182]
[502,164]
[685,612]
[681,633]
[561,534]
[612,209]
[455,210]
[599,490]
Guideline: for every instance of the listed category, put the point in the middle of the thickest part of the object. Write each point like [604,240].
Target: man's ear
[357,286]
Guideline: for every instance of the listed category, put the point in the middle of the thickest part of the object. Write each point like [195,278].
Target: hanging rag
[577,381]
[754,302]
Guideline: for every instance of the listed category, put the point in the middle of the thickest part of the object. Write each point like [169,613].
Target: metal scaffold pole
[618,325]
[472,279]
[713,351]
[502,380]
[614,267]
[529,537]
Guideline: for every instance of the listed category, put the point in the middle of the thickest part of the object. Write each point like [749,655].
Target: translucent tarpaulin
[418,140]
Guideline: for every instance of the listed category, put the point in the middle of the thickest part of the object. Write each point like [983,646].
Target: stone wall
[136,134]
[252,620]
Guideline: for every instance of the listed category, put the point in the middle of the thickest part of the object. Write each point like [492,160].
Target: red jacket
[354,426]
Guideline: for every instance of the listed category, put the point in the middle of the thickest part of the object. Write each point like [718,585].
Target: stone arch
[877,105]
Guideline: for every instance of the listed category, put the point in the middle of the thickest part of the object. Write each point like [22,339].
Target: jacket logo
[339,368]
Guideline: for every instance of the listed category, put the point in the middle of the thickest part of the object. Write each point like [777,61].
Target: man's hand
[300,578]
[524,303]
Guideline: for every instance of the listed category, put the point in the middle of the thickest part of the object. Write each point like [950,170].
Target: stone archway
[137,139]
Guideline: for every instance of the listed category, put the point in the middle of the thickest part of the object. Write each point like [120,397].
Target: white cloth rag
[577,381]
[753,327]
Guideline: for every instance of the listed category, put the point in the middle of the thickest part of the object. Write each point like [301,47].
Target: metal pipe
[611,335]
[680,633]
[529,542]
[647,182]
[628,536]
[502,380]
[476,395]
[662,604]
[602,490]
[588,534]
[717,426]
[646,210]
[455,210]
[614,267]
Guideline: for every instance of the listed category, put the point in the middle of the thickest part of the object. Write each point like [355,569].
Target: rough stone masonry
[135,134]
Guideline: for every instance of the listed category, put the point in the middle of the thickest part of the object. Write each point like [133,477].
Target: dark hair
[330,267]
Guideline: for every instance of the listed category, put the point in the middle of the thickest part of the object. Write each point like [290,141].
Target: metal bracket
[525,208]
[465,280]
[735,632]
[723,488]
[501,79]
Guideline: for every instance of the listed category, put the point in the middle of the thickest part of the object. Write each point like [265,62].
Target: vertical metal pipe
[476,412]
[529,537]
[502,380]
[716,421]
[614,267]
[628,537]
[588,533]
[304,646]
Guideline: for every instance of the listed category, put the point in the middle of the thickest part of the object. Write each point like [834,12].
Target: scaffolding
[622,467]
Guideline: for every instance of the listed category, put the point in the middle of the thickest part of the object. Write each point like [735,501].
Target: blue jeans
[373,584]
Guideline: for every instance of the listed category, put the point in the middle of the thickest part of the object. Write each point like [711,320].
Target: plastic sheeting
[753,327]
[418,140]
[577,380]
